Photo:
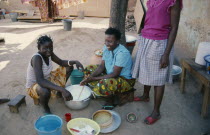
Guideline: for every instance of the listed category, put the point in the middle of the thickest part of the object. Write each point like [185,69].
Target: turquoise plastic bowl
[49,125]
[76,77]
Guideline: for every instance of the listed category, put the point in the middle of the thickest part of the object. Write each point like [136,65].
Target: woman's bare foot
[59,95]
[155,115]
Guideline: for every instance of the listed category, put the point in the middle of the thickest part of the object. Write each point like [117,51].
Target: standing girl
[154,58]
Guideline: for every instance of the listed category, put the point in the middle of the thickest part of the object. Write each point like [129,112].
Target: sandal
[149,120]
[140,99]
[108,107]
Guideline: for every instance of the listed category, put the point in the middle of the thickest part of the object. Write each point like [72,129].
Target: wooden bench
[20,12]
[16,102]
[200,73]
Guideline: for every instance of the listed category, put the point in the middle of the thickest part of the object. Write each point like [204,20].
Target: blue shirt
[120,57]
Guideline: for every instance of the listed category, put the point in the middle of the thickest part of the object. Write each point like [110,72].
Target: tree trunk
[117,17]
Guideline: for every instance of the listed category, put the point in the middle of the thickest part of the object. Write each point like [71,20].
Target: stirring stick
[81,92]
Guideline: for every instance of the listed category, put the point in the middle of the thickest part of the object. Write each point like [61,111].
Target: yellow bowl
[80,122]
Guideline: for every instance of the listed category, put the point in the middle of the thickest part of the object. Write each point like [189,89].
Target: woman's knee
[43,92]
[90,69]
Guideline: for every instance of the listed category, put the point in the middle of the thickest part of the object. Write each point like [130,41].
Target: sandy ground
[180,113]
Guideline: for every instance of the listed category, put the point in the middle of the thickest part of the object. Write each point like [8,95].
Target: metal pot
[78,104]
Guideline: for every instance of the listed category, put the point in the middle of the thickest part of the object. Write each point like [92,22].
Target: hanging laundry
[48,10]
[68,3]
[26,1]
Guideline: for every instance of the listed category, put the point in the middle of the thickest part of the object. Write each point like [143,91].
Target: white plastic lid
[130,38]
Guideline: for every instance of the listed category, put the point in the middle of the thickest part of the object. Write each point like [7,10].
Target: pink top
[158,21]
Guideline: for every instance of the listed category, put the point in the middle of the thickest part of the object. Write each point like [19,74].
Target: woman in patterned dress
[113,75]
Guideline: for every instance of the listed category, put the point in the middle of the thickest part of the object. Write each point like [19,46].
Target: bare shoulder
[36,60]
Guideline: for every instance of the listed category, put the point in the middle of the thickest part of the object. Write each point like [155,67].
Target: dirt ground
[180,112]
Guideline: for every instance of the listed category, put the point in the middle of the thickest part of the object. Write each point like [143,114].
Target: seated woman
[113,75]
[41,81]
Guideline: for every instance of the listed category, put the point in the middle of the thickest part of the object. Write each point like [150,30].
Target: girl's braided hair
[43,39]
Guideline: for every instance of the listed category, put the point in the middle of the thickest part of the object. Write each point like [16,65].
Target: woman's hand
[164,61]
[79,65]
[67,95]
[87,80]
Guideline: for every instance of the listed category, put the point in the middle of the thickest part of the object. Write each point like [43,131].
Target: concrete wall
[15,5]
[100,8]
[194,25]
[92,7]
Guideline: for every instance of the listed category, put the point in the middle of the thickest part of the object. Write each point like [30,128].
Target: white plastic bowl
[176,71]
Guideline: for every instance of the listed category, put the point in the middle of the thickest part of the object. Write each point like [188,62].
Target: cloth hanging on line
[48,9]
[26,1]
[68,3]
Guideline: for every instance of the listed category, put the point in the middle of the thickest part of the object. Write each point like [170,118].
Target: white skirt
[147,62]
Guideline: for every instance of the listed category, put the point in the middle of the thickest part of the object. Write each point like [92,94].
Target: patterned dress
[119,57]
[48,10]
[110,86]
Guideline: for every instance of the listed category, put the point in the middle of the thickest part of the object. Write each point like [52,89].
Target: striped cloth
[147,62]
[110,86]
[31,78]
